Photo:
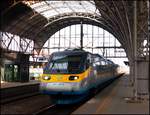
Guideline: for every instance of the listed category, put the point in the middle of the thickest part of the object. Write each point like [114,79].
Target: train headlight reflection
[46,77]
[73,77]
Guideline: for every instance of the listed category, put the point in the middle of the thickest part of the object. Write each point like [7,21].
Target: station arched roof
[40,20]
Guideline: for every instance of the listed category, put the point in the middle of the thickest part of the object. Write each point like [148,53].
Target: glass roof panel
[49,13]
[52,8]
[38,4]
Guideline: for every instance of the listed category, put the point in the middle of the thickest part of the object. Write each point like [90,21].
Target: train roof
[97,55]
[74,51]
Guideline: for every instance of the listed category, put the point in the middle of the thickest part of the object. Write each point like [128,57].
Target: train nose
[58,86]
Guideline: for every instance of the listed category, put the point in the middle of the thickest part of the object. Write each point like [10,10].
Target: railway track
[20,97]
[42,110]
[58,109]
[27,105]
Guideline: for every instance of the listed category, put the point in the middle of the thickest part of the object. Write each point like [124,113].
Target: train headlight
[46,77]
[73,77]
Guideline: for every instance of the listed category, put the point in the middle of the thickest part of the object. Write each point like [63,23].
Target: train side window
[97,63]
[103,62]
[87,63]
[106,63]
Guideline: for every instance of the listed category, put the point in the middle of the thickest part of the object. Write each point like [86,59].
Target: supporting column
[81,36]
[148,4]
[135,49]
[141,60]
[23,62]
[142,78]
[1,65]
[131,73]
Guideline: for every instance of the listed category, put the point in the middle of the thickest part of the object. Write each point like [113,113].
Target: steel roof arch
[36,26]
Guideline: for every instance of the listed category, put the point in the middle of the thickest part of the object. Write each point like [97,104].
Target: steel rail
[42,110]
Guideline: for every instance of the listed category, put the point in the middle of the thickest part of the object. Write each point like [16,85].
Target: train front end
[63,77]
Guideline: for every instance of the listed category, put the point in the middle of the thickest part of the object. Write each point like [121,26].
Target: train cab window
[65,63]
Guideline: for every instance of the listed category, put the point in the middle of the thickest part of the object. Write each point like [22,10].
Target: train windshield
[65,64]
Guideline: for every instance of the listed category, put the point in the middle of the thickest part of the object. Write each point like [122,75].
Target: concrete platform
[17,84]
[113,100]
[16,90]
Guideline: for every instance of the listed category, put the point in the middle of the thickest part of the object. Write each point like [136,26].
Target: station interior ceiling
[127,21]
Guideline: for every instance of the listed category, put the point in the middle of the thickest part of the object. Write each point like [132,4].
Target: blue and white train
[71,74]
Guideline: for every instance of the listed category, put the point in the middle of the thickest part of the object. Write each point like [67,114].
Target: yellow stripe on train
[65,77]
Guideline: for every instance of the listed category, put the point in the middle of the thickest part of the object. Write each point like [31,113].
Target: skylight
[51,9]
